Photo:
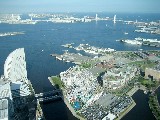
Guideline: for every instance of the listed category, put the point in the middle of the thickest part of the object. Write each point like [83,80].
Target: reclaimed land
[127,110]
[55,80]
[140,59]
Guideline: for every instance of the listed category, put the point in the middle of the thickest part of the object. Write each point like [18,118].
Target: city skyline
[144,6]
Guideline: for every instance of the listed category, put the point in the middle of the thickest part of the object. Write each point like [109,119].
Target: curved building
[17,101]
[15,66]
[15,72]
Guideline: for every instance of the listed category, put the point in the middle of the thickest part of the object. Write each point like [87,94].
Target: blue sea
[44,38]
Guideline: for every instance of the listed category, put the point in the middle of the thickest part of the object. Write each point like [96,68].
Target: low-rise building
[80,85]
[117,77]
[150,72]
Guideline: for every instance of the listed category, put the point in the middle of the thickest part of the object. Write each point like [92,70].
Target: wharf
[145,43]
[72,57]
[152,44]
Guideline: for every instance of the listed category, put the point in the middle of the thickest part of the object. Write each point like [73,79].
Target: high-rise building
[114,19]
[17,100]
[96,17]
[6,101]
[15,66]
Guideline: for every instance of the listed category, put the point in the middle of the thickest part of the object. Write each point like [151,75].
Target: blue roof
[77,105]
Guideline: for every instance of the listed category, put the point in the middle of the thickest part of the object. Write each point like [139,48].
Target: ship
[126,33]
[133,42]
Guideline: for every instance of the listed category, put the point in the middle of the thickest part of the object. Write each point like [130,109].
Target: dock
[72,57]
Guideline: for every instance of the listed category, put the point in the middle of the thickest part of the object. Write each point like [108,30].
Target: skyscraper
[16,96]
[96,17]
[15,66]
[114,19]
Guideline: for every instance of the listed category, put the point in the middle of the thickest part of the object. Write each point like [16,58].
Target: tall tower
[15,66]
[12,16]
[114,19]
[96,17]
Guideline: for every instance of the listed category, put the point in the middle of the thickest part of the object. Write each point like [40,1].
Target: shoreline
[39,111]
[127,110]
[135,89]
[67,103]
[130,93]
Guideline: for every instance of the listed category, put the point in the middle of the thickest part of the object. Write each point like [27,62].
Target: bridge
[49,96]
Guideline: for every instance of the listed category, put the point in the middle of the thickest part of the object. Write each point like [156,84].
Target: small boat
[67,61]
[125,33]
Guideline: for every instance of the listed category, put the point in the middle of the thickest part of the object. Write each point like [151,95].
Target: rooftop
[3,109]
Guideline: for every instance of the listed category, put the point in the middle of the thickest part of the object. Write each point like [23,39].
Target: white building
[6,106]
[118,77]
[110,116]
[79,84]
[13,84]
[4,109]
[15,66]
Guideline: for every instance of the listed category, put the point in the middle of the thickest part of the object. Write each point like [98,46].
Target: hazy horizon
[50,6]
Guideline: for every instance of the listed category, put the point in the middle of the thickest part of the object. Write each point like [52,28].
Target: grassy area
[154,106]
[137,63]
[57,81]
[123,90]
[143,64]
[147,82]
[86,65]
[148,64]
[156,52]
[130,55]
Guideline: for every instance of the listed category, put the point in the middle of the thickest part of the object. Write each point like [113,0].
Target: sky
[134,6]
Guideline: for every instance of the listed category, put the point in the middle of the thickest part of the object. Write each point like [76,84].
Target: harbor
[41,65]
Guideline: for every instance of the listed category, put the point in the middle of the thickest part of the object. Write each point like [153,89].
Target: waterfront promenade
[131,93]
[135,89]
